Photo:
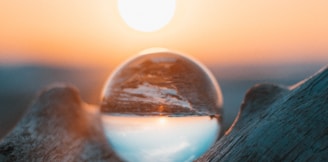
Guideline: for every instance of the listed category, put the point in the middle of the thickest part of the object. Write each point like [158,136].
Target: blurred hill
[20,84]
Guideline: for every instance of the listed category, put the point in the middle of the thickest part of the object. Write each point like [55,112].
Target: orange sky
[84,32]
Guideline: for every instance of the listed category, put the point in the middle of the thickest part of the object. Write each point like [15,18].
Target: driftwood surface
[57,127]
[275,123]
[279,123]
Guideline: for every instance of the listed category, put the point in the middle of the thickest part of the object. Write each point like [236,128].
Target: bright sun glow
[162,120]
[146,15]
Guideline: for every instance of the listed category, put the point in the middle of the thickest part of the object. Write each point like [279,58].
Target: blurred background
[81,42]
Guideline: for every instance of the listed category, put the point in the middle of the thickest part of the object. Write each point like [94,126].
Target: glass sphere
[161,106]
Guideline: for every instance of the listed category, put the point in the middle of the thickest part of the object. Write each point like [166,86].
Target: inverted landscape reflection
[162,83]
[158,138]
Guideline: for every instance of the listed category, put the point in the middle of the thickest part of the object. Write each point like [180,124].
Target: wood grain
[279,123]
[57,127]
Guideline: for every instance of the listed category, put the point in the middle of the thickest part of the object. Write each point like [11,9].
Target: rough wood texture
[57,127]
[278,123]
[275,123]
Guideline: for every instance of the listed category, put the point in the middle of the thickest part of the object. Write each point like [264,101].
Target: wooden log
[57,127]
[275,123]
[279,123]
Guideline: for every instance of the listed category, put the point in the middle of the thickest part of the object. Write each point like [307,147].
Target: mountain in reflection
[162,84]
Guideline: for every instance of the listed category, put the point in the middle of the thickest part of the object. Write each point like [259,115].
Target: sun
[147,15]
[162,121]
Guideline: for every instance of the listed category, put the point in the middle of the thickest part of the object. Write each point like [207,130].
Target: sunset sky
[92,33]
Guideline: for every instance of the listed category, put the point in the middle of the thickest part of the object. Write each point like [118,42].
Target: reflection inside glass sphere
[161,106]
[155,138]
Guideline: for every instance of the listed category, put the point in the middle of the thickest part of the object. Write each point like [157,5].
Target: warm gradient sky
[85,32]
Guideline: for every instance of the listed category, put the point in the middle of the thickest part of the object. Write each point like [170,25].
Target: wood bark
[278,123]
[57,127]
[275,123]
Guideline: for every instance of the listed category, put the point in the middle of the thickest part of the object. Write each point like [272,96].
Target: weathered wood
[57,127]
[278,123]
[275,123]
